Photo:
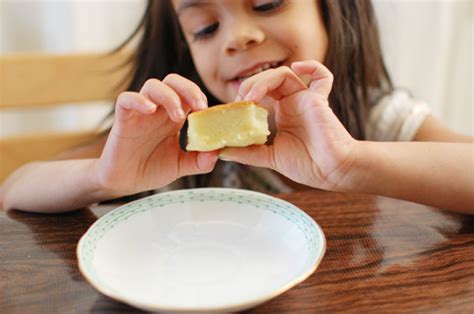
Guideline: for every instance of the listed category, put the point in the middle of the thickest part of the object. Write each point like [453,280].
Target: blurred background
[427,46]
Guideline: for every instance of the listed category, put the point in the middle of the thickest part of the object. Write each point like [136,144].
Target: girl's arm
[53,186]
[65,183]
[433,130]
[440,174]
[436,174]
[141,153]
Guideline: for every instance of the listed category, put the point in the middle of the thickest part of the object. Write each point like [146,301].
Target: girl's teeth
[259,69]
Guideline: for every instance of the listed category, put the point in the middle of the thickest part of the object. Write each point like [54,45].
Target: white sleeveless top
[396,117]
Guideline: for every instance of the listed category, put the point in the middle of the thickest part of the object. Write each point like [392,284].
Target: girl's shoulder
[396,116]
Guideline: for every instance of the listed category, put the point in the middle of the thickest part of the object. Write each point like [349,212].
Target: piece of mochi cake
[236,124]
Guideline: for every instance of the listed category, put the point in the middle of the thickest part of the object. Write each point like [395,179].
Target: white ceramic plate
[200,250]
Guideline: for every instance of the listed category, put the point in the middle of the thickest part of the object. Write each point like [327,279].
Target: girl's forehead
[183,5]
[192,3]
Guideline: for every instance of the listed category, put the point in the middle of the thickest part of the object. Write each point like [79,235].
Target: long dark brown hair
[354,56]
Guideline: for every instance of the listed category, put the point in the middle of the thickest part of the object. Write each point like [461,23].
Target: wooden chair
[42,81]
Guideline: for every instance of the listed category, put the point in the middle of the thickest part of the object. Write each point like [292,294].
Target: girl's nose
[242,36]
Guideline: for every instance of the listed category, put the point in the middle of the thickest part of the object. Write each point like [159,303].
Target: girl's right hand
[142,151]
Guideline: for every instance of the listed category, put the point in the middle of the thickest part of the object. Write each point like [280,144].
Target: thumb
[197,162]
[255,155]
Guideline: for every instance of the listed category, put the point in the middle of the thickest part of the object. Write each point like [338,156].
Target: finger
[161,94]
[187,90]
[191,163]
[135,101]
[255,155]
[321,77]
[277,83]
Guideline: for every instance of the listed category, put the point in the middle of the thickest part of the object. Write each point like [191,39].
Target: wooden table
[383,255]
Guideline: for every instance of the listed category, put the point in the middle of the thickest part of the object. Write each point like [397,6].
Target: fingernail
[223,156]
[201,103]
[180,113]
[151,106]
[238,98]
[249,96]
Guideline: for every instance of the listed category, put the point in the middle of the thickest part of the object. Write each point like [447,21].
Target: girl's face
[231,40]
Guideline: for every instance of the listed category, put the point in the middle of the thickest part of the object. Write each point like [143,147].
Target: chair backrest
[42,81]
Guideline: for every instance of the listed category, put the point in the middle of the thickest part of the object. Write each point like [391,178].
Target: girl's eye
[269,6]
[206,31]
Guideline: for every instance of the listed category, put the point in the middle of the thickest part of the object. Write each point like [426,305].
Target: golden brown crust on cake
[226,106]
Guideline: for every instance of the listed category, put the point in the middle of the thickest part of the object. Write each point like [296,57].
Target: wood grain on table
[383,255]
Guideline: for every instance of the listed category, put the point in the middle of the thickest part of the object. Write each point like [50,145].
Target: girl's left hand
[311,146]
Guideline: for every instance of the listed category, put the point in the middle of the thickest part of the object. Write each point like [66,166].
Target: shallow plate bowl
[200,250]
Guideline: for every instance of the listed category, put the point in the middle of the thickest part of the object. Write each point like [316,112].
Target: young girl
[326,117]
